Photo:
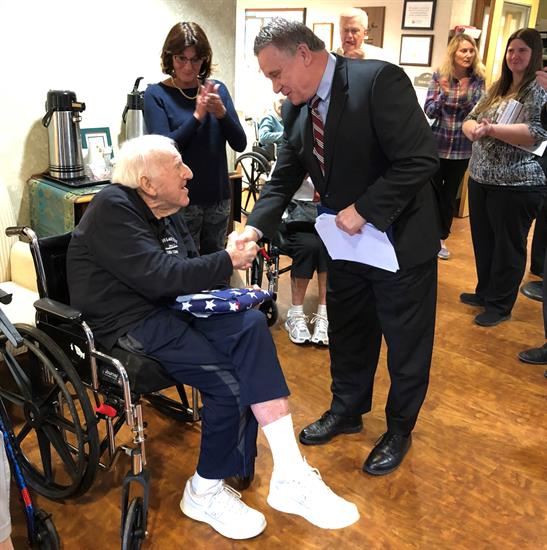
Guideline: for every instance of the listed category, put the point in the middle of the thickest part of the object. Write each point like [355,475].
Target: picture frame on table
[99,137]
[419,15]
[324,31]
[416,50]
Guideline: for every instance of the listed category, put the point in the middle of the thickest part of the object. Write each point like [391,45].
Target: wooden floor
[476,476]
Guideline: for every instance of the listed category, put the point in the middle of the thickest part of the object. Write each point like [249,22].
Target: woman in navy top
[199,115]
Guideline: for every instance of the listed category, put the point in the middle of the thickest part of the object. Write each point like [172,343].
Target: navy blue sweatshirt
[202,144]
[123,263]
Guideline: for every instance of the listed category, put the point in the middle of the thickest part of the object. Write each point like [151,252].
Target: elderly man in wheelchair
[128,259]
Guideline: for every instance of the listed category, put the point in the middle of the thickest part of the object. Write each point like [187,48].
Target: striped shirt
[495,162]
[449,110]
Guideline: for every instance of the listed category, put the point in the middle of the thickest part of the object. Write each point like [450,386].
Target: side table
[55,208]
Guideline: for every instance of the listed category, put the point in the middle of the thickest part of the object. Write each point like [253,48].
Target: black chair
[59,386]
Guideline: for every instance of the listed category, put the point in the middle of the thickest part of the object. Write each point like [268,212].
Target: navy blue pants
[232,360]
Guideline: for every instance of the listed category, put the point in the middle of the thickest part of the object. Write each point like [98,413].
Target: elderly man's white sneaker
[307,495]
[224,511]
[297,327]
[321,331]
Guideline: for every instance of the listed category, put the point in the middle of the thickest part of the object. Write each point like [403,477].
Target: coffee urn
[62,119]
[133,115]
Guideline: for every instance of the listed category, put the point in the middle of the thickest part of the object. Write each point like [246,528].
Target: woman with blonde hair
[454,90]
[506,183]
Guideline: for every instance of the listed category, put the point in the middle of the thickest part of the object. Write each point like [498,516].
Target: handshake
[242,248]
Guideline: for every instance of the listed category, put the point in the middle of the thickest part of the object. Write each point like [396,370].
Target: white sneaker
[308,496]
[224,511]
[321,330]
[444,253]
[297,326]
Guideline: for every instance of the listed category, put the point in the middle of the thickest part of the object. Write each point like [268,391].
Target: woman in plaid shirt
[453,92]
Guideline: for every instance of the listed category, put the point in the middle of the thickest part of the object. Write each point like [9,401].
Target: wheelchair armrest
[5,298]
[62,311]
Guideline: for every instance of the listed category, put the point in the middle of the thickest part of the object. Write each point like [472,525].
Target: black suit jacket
[379,154]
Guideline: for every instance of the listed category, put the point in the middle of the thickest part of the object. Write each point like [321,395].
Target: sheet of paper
[539,150]
[370,247]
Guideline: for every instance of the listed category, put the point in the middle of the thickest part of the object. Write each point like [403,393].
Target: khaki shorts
[5,518]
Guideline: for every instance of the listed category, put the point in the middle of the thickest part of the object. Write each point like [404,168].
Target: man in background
[353,32]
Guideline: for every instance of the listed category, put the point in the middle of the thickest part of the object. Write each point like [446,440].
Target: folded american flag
[228,300]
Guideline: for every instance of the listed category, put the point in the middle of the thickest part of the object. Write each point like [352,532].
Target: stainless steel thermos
[133,116]
[62,119]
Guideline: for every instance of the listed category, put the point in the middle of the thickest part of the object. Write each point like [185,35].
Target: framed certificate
[416,50]
[324,31]
[418,14]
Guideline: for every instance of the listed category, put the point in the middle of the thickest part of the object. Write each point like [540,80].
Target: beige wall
[96,49]
[252,100]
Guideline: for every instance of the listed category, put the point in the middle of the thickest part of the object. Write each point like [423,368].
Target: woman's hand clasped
[483,129]
[208,101]
[214,103]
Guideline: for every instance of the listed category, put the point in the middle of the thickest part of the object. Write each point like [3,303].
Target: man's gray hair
[137,157]
[286,36]
[358,13]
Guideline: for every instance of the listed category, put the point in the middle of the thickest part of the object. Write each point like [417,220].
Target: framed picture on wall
[256,18]
[324,32]
[416,50]
[418,15]
[99,137]
[376,18]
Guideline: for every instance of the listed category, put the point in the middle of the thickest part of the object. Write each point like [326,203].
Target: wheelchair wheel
[45,404]
[254,169]
[133,529]
[47,537]
[271,311]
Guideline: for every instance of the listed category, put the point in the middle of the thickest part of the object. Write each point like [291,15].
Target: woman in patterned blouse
[507,183]
[454,90]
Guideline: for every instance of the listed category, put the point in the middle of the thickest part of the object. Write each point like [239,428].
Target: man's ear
[304,53]
[145,183]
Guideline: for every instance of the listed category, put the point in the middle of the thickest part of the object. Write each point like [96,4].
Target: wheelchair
[57,387]
[255,167]
[266,264]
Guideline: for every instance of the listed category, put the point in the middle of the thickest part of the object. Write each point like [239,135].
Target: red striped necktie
[318,133]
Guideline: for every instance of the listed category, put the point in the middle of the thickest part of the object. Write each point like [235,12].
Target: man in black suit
[379,157]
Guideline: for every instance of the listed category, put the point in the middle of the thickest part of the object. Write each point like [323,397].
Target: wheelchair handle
[16,231]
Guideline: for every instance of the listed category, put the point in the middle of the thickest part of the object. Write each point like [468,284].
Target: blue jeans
[208,225]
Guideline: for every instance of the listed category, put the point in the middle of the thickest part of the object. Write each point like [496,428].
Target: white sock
[295,309]
[282,441]
[322,310]
[202,485]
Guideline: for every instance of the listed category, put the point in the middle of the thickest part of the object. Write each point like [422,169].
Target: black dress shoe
[534,356]
[387,454]
[491,318]
[533,290]
[329,425]
[471,299]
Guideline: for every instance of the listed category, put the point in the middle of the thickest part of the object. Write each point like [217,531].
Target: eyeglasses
[195,61]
